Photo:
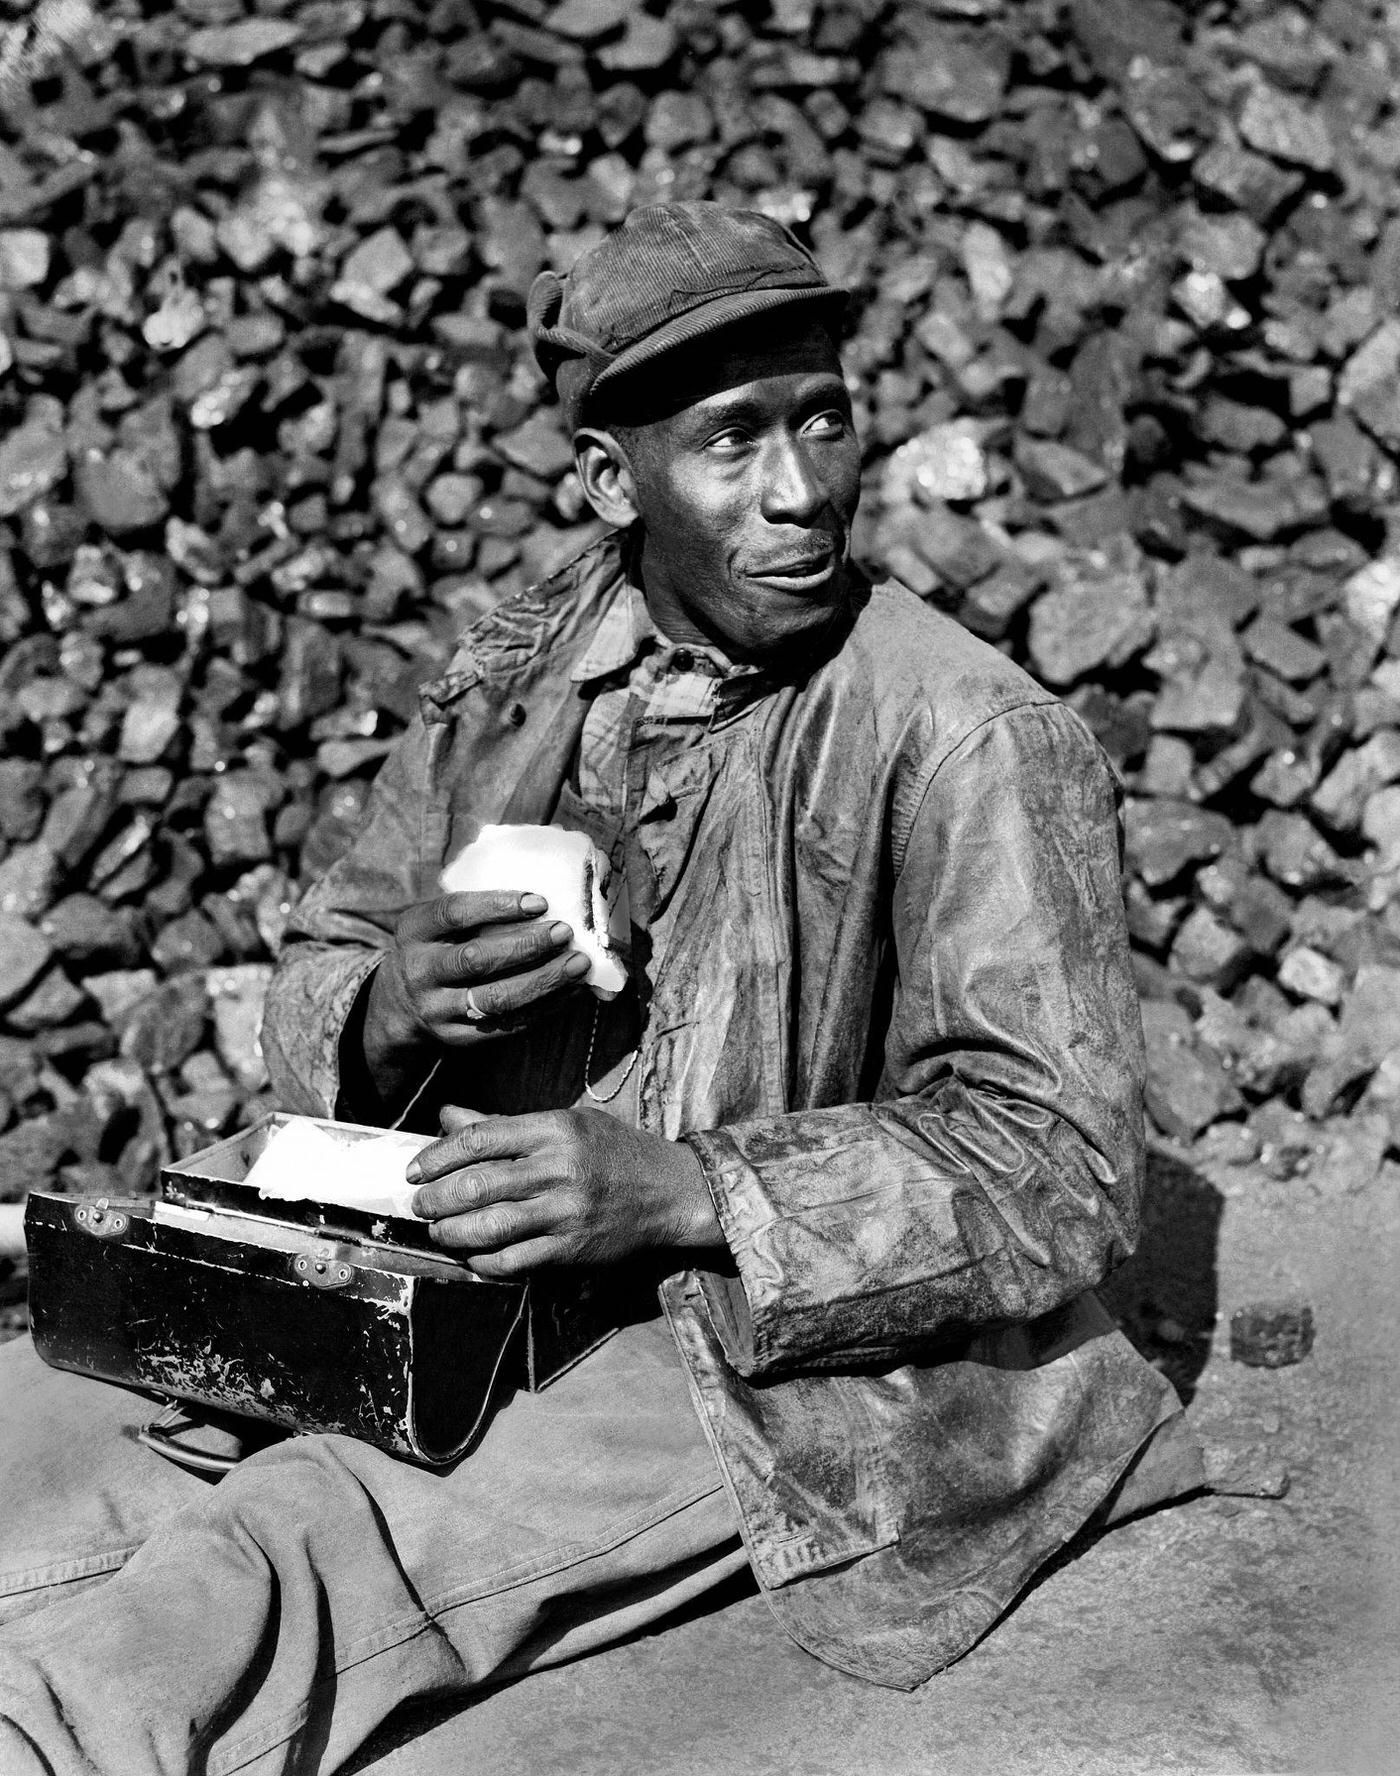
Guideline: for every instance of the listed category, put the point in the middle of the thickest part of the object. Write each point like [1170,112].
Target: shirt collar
[619,639]
[627,631]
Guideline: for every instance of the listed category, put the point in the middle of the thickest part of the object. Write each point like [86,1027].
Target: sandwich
[566,868]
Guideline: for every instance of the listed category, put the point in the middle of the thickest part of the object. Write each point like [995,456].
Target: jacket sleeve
[341,929]
[999,1172]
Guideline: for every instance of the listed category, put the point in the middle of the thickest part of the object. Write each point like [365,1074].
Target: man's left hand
[558,1187]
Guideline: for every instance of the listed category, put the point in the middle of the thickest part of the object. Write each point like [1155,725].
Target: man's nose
[793,493]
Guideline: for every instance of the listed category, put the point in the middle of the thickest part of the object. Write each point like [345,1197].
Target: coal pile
[1126,359]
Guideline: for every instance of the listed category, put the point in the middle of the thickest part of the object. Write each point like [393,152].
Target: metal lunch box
[308,1316]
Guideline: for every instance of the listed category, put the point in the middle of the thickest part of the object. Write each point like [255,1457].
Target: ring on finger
[496,1022]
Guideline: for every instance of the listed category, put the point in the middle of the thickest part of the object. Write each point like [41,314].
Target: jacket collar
[624,634]
[627,631]
[595,604]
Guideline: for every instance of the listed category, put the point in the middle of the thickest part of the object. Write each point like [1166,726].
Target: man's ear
[608,482]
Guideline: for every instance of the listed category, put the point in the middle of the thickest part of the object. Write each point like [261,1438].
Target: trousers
[154,1622]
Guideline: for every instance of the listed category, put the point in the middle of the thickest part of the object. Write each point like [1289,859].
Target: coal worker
[854,1145]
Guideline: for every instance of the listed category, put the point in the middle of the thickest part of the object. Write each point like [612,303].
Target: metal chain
[599,1097]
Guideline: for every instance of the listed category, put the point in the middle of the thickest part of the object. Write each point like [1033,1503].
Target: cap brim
[724,311]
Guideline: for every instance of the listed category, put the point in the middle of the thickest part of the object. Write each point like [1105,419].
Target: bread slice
[303,1159]
[567,868]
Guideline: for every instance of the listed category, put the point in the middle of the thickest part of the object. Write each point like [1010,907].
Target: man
[870,1110]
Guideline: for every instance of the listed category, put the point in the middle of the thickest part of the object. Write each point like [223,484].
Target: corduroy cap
[670,274]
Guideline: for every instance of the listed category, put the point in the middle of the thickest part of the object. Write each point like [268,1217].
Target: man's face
[747,490]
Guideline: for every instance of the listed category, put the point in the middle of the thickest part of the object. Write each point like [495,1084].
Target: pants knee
[295,1496]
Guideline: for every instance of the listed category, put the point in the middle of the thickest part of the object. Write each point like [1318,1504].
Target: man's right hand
[493,946]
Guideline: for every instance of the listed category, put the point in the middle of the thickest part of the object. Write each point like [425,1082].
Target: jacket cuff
[353,1066]
[308,1006]
[735,1303]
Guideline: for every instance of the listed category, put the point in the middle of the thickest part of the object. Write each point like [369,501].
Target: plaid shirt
[664,682]
[639,676]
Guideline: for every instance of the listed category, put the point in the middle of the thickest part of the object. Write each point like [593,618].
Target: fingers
[493,1191]
[516,1261]
[477,1187]
[512,995]
[496,950]
[466,911]
[503,1182]
[508,967]
[470,1144]
[498,1227]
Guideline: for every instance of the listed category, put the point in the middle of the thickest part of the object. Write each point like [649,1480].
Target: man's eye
[827,425]
[728,440]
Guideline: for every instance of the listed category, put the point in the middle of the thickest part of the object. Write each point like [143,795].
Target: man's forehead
[725,367]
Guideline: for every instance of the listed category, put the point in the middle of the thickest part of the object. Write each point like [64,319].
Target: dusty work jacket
[888,1003]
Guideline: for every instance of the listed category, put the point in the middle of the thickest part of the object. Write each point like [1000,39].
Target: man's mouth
[800,573]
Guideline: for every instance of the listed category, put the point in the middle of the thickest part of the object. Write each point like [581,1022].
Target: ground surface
[1224,1636]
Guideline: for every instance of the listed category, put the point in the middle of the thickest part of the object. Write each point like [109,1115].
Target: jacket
[891,1009]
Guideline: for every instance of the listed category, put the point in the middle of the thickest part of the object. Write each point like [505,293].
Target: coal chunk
[24,954]
[1271,1334]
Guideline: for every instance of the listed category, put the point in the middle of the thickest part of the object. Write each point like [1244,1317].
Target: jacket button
[515,715]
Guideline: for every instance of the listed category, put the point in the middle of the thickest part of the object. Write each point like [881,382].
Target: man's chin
[788,622]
